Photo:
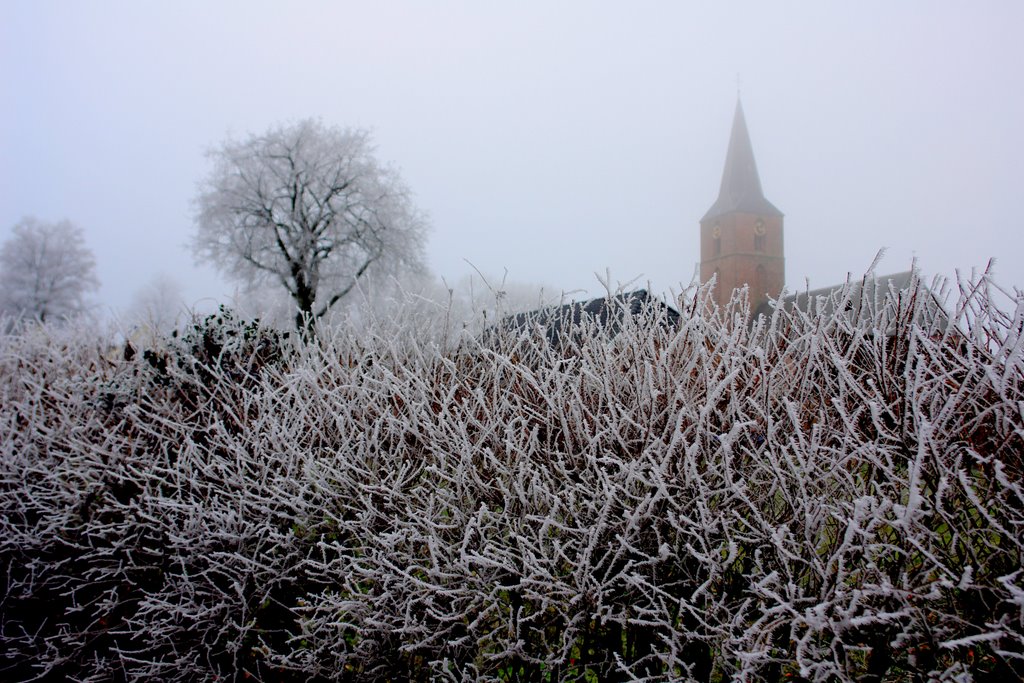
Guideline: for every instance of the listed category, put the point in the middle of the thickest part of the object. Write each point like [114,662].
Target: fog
[551,140]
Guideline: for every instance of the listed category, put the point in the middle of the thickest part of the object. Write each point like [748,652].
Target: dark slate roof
[877,289]
[824,297]
[741,186]
[606,313]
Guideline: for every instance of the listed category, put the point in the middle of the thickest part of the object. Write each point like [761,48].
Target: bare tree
[309,207]
[158,305]
[46,271]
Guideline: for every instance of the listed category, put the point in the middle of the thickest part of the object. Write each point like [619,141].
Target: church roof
[878,288]
[871,294]
[741,186]
[607,313]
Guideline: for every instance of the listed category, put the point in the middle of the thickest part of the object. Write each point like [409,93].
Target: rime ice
[830,495]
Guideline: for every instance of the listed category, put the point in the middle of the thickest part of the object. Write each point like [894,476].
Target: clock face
[716,232]
[759,228]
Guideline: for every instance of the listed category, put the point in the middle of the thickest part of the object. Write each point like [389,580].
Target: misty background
[551,140]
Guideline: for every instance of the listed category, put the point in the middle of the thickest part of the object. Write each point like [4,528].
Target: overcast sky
[551,139]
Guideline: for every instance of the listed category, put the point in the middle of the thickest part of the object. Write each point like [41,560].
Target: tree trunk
[304,299]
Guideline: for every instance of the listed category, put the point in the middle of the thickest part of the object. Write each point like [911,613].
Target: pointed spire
[741,186]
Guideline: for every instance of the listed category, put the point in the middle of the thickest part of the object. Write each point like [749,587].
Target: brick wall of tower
[740,258]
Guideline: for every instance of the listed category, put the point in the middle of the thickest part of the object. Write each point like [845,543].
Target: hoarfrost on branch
[807,497]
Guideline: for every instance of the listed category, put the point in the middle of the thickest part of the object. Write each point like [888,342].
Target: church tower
[741,234]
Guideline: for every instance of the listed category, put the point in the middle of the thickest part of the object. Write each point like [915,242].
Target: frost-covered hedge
[821,497]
